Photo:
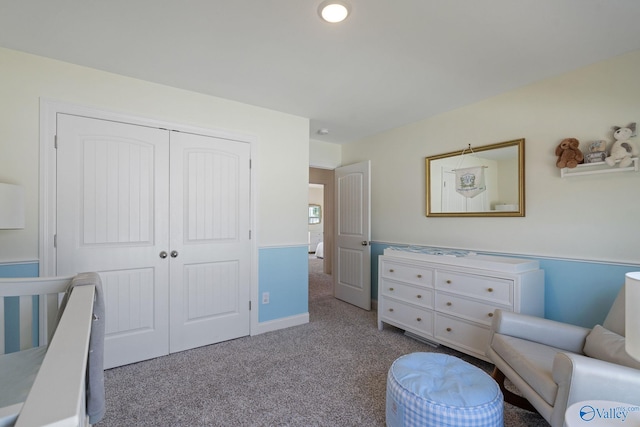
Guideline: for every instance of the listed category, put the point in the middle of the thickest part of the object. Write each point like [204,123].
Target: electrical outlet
[265,297]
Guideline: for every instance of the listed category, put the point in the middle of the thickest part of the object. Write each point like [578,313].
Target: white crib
[45,385]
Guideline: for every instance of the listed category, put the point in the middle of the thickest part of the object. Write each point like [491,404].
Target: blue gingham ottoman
[431,389]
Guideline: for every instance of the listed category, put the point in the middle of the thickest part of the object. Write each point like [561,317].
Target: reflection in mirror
[477,181]
[315,214]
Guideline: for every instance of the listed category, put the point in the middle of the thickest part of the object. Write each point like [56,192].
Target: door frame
[50,108]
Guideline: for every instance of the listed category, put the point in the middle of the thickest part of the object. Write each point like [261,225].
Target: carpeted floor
[329,372]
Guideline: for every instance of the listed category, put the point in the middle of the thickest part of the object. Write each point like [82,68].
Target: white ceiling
[390,63]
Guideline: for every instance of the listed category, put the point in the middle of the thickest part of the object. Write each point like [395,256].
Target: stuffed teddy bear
[622,149]
[569,154]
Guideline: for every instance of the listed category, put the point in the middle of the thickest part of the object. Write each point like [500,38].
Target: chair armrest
[544,331]
[584,378]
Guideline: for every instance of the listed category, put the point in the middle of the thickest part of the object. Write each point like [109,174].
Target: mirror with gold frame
[450,176]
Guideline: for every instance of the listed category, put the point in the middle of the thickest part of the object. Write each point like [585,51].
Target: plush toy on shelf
[597,152]
[569,154]
[622,149]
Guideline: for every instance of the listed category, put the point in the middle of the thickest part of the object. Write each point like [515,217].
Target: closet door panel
[210,273]
[112,213]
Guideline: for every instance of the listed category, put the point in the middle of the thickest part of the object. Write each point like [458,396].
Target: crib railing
[33,305]
[57,397]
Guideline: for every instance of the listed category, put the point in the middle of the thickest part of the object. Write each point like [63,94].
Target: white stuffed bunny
[622,149]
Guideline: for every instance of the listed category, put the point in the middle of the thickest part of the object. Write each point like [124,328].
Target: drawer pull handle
[391,270]
[490,290]
[419,276]
[419,319]
[391,289]
[391,309]
[418,296]
[449,304]
[448,329]
[490,314]
[448,282]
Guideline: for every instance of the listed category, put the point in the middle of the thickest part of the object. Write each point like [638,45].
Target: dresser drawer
[474,310]
[462,334]
[406,273]
[407,317]
[409,293]
[487,288]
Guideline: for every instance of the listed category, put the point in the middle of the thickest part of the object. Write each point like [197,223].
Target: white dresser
[450,300]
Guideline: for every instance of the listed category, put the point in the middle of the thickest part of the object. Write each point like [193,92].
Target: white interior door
[112,218]
[352,272]
[210,246]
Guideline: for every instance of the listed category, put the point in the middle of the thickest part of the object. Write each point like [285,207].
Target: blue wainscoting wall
[11,307]
[283,272]
[576,292]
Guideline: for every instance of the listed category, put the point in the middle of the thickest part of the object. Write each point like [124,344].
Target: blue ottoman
[431,389]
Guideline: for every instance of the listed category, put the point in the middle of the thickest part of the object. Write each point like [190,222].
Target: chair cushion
[615,318]
[608,346]
[532,361]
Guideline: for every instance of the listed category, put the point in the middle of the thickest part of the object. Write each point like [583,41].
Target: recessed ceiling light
[334,11]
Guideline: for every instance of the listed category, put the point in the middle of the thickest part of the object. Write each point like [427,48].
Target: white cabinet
[450,300]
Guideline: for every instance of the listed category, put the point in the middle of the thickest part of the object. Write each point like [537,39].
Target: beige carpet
[329,372]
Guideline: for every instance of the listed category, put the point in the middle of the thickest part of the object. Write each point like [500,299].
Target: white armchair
[555,364]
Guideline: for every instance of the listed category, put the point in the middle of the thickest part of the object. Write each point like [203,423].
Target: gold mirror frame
[432,210]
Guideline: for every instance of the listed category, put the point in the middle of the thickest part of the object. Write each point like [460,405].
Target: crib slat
[50,304]
[26,327]
[2,325]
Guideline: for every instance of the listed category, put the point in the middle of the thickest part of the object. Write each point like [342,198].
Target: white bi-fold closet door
[164,217]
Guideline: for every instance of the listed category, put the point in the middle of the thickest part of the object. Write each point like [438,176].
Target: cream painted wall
[595,217]
[282,181]
[324,155]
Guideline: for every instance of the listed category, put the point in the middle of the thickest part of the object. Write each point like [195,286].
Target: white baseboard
[286,322]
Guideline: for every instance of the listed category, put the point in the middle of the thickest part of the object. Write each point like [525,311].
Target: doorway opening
[321,214]
[324,179]
[320,283]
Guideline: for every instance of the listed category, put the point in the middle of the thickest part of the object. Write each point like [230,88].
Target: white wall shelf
[596,168]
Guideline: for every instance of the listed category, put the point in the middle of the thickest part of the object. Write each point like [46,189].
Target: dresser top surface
[463,259]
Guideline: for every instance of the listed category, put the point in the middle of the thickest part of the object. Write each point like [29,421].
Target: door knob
[174,254]
[163,254]
[364,243]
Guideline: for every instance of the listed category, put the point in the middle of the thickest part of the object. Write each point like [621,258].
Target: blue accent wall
[581,292]
[576,292]
[284,273]
[12,306]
